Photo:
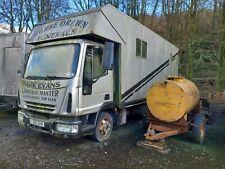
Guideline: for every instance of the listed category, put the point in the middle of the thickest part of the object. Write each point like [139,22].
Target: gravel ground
[23,148]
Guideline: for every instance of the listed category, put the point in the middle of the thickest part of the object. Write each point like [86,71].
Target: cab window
[93,68]
[98,69]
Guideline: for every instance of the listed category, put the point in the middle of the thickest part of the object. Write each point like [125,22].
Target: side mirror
[108,56]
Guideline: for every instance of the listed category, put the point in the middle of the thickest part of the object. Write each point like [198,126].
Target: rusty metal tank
[172,99]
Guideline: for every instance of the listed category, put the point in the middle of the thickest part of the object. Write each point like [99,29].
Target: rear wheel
[198,131]
[104,127]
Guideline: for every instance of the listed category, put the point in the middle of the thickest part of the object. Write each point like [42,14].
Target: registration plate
[37,123]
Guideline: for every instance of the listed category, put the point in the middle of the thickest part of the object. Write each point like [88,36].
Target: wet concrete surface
[23,148]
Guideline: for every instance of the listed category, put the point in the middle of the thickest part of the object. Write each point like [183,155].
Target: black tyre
[104,127]
[198,130]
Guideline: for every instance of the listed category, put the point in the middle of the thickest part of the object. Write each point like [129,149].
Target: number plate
[37,123]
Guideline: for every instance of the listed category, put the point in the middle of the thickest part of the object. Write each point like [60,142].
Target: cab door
[97,83]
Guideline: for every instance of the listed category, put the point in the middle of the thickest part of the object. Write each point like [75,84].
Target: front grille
[45,108]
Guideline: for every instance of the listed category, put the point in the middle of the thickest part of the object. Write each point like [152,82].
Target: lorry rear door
[13,63]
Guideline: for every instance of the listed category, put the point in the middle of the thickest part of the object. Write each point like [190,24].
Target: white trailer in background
[87,69]
[13,51]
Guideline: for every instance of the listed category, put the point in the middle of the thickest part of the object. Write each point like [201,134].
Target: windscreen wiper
[34,77]
[55,77]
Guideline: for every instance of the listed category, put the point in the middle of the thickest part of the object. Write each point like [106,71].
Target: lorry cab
[64,80]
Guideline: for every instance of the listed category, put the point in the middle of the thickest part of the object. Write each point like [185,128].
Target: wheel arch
[109,107]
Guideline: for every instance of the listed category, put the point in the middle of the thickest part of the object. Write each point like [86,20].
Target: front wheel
[104,127]
[198,131]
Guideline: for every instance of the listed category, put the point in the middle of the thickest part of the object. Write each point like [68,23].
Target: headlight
[67,128]
[20,117]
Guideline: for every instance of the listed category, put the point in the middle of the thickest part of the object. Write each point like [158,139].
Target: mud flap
[6,106]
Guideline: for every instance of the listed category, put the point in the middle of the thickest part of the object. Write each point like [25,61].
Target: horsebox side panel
[137,74]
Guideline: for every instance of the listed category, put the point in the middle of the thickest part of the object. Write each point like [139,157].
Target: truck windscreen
[53,62]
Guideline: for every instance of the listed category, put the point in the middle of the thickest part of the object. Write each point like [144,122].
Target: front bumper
[48,125]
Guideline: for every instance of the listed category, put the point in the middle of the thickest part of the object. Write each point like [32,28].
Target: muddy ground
[22,148]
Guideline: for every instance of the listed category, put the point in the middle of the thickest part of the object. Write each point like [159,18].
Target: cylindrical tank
[172,99]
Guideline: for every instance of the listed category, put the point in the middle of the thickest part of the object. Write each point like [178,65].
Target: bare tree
[80,5]
[221,54]
[22,14]
[8,14]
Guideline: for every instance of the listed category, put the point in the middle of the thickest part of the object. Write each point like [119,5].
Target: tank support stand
[158,131]
[162,131]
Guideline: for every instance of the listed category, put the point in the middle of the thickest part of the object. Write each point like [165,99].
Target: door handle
[107,97]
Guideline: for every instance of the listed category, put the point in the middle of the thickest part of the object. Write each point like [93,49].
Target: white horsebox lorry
[87,69]
[13,56]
